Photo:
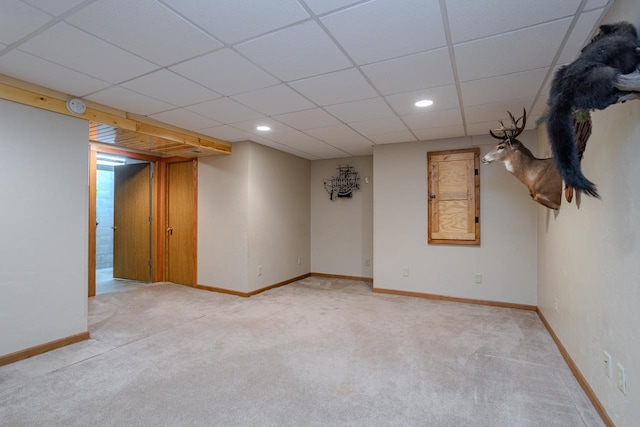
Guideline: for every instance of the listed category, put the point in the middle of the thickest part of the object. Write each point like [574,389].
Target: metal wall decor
[344,184]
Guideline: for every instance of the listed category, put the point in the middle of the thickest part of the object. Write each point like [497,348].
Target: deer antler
[513,131]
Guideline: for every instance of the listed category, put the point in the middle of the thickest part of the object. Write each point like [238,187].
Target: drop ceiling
[332,78]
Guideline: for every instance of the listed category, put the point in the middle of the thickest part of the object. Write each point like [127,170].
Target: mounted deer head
[539,175]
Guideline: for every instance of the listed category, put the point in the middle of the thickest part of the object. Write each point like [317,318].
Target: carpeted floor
[318,352]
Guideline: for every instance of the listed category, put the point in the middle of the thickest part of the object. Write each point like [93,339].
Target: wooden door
[454,197]
[181,223]
[132,222]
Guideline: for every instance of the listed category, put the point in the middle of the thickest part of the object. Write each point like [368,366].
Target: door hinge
[150,219]
[149,263]
[477,220]
[475,171]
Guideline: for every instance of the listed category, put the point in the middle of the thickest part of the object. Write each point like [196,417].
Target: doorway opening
[163,194]
[123,222]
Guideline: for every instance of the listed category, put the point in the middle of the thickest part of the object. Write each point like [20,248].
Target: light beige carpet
[318,352]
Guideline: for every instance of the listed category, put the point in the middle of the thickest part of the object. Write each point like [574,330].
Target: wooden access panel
[454,197]
[132,222]
[181,223]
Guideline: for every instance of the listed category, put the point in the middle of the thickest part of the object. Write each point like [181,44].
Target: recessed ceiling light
[424,103]
[263,128]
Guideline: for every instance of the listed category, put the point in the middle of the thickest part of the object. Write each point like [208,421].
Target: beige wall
[43,249]
[507,255]
[223,220]
[589,257]
[278,216]
[342,229]
[253,209]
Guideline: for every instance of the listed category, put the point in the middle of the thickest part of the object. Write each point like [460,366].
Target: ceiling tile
[482,128]
[433,118]
[307,144]
[359,150]
[496,111]
[413,72]
[355,147]
[284,148]
[593,4]
[337,135]
[220,68]
[237,20]
[274,100]
[225,110]
[226,133]
[280,53]
[470,20]
[294,138]
[392,138]
[307,119]
[322,6]
[334,88]
[226,72]
[326,151]
[504,54]
[172,88]
[129,101]
[145,28]
[87,54]
[18,20]
[185,119]
[579,35]
[393,28]
[277,128]
[56,8]
[357,111]
[373,127]
[502,88]
[23,66]
[440,133]
[443,97]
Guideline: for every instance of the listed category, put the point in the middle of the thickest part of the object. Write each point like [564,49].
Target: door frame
[158,210]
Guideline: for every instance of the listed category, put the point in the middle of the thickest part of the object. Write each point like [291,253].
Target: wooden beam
[38,100]
[183,138]
[46,99]
[170,135]
[215,144]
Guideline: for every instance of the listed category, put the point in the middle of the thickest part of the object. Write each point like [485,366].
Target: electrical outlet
[299,260]
[259,270]
[367,262]
[621,378]
[405,271]
[607,365]
[477,278]
[555,304]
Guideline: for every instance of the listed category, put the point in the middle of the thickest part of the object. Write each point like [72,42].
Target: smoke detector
[76,106]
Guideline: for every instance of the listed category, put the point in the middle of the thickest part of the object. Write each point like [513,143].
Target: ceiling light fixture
[263,128]
[424,103]
[107,160]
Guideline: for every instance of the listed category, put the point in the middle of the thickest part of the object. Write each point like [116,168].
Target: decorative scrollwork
[344,184]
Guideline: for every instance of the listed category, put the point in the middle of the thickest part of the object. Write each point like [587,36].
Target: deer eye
[500,147]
